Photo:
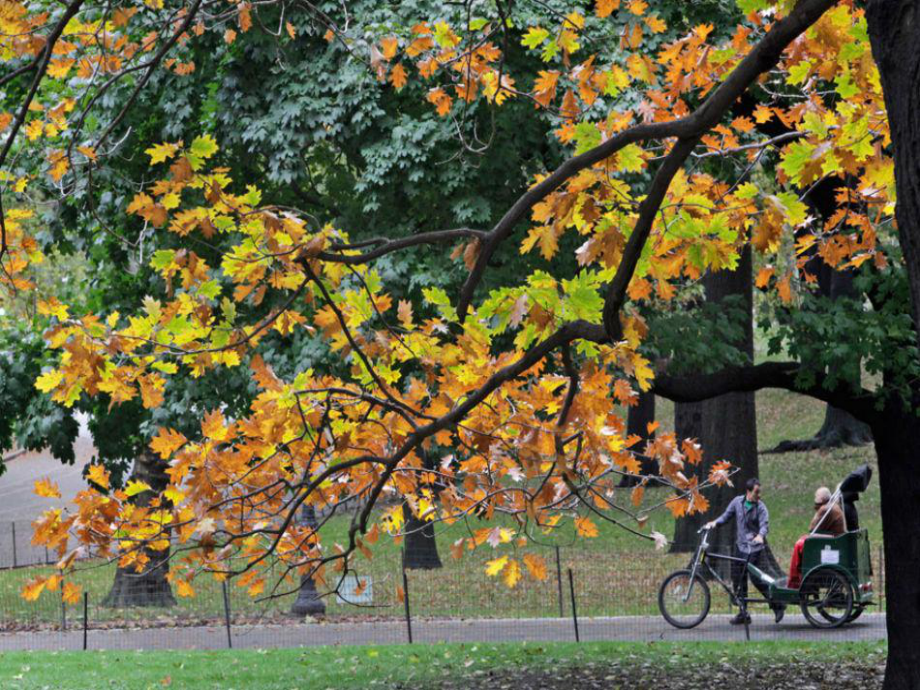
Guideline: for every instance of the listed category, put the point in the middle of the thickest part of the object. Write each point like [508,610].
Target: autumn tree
[517,376]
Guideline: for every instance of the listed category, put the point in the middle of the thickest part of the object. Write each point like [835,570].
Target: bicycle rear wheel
[684,599]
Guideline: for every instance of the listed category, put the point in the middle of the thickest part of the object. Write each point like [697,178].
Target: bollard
[574,610]
[406,603]
[63,612]
[85,617]
[559,583]
[13,530]
[227,614]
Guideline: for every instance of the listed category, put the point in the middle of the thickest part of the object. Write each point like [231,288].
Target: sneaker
[740,619]
[778,613]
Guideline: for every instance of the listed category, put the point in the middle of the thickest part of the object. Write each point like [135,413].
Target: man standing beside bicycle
[752,524]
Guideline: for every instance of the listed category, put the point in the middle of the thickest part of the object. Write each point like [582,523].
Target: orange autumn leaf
[166,442]
[46,488]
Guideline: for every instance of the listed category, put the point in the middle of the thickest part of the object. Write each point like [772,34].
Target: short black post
[13,529]
[559,583]
[85,617]
[63,612]
[47,557]
[405,579]
[227,613]
[574,609]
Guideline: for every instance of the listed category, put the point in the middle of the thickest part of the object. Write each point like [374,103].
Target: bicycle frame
[700,561]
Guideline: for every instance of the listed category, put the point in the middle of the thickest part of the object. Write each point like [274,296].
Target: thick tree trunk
[308,602]
[149,588]
[421,548]
[637,420]
[897,443]
[729,422]
[894,31]
[688,423]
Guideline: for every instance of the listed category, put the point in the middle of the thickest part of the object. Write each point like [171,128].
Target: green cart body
[848,554]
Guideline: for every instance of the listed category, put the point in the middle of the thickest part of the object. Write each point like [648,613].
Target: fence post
[227,613]
[63,612]
[559,583]
[85,617]
[405,579]
[13,529]
[574,610]
[47,557]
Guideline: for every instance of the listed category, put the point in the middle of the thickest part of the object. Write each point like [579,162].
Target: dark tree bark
[729,422]
[688,423]
[421,547]
[149,588]
[637,420]
[308,602]
[894,31]
[897,443]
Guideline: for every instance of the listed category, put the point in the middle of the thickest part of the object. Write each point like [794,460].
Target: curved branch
[861,403]
[763,57]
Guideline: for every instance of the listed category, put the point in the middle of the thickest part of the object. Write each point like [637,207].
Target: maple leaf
[398,76]
[98,475]
[166,442]
[536,566]
[604,8]
[71,593]
[512,573]
[495,566]
[46,488]
[585,527]
[213,426]
[388,47]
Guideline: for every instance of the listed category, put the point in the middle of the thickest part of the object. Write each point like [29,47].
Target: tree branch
[860,403]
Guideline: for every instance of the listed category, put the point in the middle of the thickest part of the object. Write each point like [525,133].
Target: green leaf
[203,147]
[162,258]
[534,37]
[799,73]
[587,136]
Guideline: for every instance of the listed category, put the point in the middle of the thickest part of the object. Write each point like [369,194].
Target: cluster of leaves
[518,377]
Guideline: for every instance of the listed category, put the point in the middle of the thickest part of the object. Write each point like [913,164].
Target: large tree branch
[860,403]
[763,57]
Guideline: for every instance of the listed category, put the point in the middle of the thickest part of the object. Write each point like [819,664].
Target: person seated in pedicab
[828,519]
[752,524]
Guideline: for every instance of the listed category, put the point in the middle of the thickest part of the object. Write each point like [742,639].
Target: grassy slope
[615,573]
[345,668]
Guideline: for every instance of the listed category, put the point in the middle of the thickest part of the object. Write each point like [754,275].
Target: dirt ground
[805,675]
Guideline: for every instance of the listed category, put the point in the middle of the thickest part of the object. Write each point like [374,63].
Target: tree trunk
[729,422]
[308,602]
[637,420]
[688,423]
[149,588]
[421,548]
[897,443]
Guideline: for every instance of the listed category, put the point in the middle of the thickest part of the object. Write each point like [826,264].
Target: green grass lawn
[345,668]
[615,573]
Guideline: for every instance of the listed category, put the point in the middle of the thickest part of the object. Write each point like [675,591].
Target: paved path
[638,628]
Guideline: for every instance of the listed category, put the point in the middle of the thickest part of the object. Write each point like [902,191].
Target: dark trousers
[740,574]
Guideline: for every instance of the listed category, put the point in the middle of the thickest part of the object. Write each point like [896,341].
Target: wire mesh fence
[598,593]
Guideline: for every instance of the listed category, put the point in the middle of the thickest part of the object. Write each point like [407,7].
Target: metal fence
[584,594]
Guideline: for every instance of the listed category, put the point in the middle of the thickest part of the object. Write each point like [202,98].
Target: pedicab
[836,583]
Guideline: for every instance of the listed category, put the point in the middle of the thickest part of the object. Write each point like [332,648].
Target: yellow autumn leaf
[33,589]
[512,573]
[184,589]
[46,488]
[136,487]
[48,381]
[98,475]
[494,567]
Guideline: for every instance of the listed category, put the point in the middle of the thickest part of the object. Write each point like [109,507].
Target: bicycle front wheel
[684,599]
